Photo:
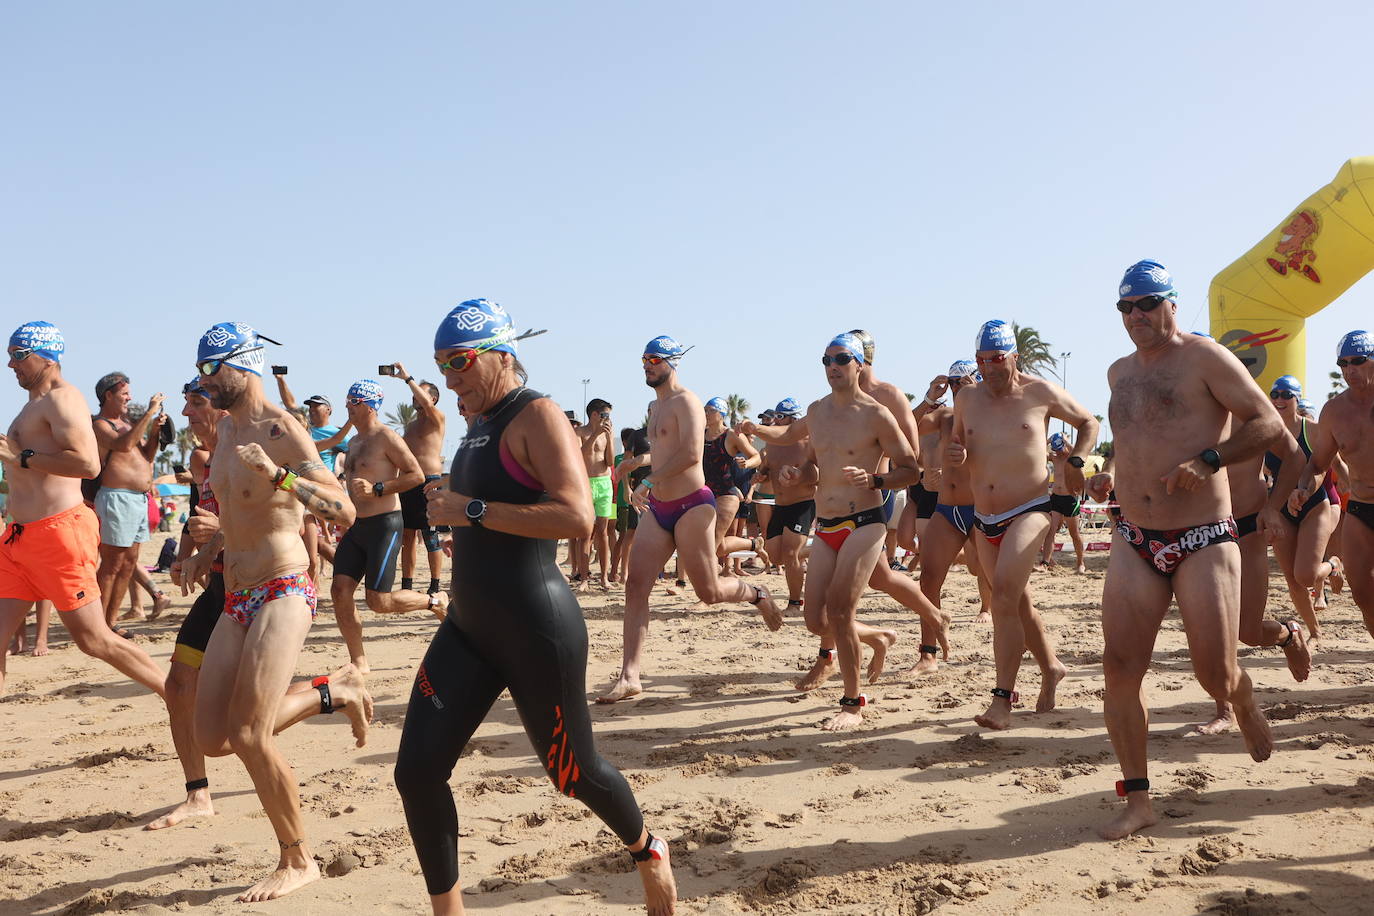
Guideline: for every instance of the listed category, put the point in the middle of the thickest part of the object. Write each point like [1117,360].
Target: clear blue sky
[749,177]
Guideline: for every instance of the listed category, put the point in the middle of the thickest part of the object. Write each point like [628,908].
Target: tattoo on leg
[290,845]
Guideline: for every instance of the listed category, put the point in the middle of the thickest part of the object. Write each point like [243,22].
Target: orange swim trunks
[53,558]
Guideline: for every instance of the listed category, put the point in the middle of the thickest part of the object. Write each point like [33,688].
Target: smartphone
[278,370]
[386,370]
[179,468]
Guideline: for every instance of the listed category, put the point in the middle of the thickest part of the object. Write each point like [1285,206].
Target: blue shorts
[123,516]
[960,517]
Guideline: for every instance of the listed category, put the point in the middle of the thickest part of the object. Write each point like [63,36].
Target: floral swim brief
[243,605]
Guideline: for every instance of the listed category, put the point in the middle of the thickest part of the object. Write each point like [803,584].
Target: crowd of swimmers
[1207,471]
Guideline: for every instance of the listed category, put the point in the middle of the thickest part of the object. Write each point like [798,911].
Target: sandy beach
[765,813]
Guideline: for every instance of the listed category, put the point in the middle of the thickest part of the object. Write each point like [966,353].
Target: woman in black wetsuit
[518,485]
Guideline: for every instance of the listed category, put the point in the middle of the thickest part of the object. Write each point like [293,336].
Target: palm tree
[1337,384]
[738,407]
[186,442]
[1034,354]
[400,417]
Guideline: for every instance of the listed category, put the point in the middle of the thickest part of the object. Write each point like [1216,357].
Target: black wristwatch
[24,457]
[1075,461]
[476,512]
[377,489]
[877,482]
[1212,458]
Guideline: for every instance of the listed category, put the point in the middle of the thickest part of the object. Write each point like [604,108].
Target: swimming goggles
[991,360]
[1351,361]
[1284,395]
[839,359]
[21,354]
[211,367]
[654,360]
[1147,304]
[462,360]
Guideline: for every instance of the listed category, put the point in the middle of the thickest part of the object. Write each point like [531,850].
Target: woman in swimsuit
[1300,551]
[517,486]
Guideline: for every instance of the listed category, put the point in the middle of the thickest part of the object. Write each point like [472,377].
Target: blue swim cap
[1057,441]
[1202,334]
[1356,343]
[478,323]
[964,368]
[193,387]
[1287,383]
[718,405]
[42,337]
[995,335]
[665,347]
[788,407]
[235,343]
[369,392]
[1304,404]
[1146,278]
[850,343]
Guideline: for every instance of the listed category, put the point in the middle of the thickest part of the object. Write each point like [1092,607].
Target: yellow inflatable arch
[1259,302]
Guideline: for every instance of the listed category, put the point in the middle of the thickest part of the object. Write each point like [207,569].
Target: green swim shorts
[603,500]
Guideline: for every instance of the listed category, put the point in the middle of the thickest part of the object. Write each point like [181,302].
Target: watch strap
[24,457]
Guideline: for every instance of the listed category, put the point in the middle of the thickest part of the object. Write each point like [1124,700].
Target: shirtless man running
[1000,428]
[424,436]
[794,509]
[380,468]
[1346,427]
[681,514]
[852,434]
[597,439]
[269,597]
[51,548]
[1065,503]
[1175,538]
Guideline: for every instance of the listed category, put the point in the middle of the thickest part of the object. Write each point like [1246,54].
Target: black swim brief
[795,517]
[1165,551]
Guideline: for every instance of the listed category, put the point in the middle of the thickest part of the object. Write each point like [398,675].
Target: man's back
[425,439]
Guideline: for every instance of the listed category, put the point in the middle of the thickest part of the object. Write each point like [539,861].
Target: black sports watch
[1212,458]
[877,482]
[476,512]
[24,457]
[1075,461]
[377,489]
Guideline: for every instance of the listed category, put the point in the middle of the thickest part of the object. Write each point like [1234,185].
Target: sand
[765,813]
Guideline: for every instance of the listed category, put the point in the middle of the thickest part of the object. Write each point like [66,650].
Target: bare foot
[197,804]
[984,616]
[660,890]
[1220,723]
[1048,684]
[583,586]
[998,716]
[622,689]
[361,664]
[347,692]
[823,670]
[1314,644]
[879,644]
[1081,569]
[1254,727]
[1337,577]
[927,666]
[843,721]
[1298,656]
[281,882]
[160,604]
[438,606]
[772,614]
[39,648]
[132,614]
[1138,815]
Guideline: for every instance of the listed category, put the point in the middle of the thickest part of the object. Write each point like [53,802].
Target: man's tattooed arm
[305,467]
[329,503]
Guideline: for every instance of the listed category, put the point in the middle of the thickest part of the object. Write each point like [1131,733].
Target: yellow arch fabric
[1320,249]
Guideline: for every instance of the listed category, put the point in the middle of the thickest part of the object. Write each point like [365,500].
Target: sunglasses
[1282,395]
[462,360]
[963,379]
[654,360]
[839,359]
[991,360]
[1352,361]
[212,366]
[1148,304]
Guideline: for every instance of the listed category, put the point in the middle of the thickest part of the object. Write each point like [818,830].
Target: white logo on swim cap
[218,337]
[1158,274]
[471,319]
[1125,289]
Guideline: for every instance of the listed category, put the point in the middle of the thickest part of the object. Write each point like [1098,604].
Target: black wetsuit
[512,623]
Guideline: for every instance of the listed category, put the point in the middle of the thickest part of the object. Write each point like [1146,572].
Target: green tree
[738,407]
[1034,355]
[400,417]
[185,443]
[1337,384]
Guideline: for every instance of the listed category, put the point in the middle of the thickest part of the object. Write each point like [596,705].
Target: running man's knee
[380,602]
[341,588]
[1219,677]
[1125,665]
[249,741]
[181,684]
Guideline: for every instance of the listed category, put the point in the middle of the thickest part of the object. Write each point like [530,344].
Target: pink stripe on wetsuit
[513,468]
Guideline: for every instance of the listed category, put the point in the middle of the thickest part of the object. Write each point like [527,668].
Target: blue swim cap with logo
[995,335]
[1147,278]
[234,342]
[1058,442]
[1356,343]
[1287,383]
[477,323]
[666,348]
[964,368]
[41,337]
[850,343]
[718,405]
[788,407]
[367,392]
[193,387]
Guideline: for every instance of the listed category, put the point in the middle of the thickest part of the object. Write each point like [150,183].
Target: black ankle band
[860,700]
[1001,694]
[826,654]
[321,684]
[1123,786]
[195,784]
[794,602]
[653,849]
[929,650]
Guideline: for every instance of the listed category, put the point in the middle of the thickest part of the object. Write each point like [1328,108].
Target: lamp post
[1064,377]
[585,383]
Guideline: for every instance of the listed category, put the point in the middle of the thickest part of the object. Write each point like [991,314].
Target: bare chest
[367,455]
[1153,400]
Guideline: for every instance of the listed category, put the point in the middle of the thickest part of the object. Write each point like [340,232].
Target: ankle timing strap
[860,700]
[827,654]
[1009,695]
[1123,786]
[929,650]
[794,602]
[321,684]
[195,784]
[1292,627]
[654,848]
